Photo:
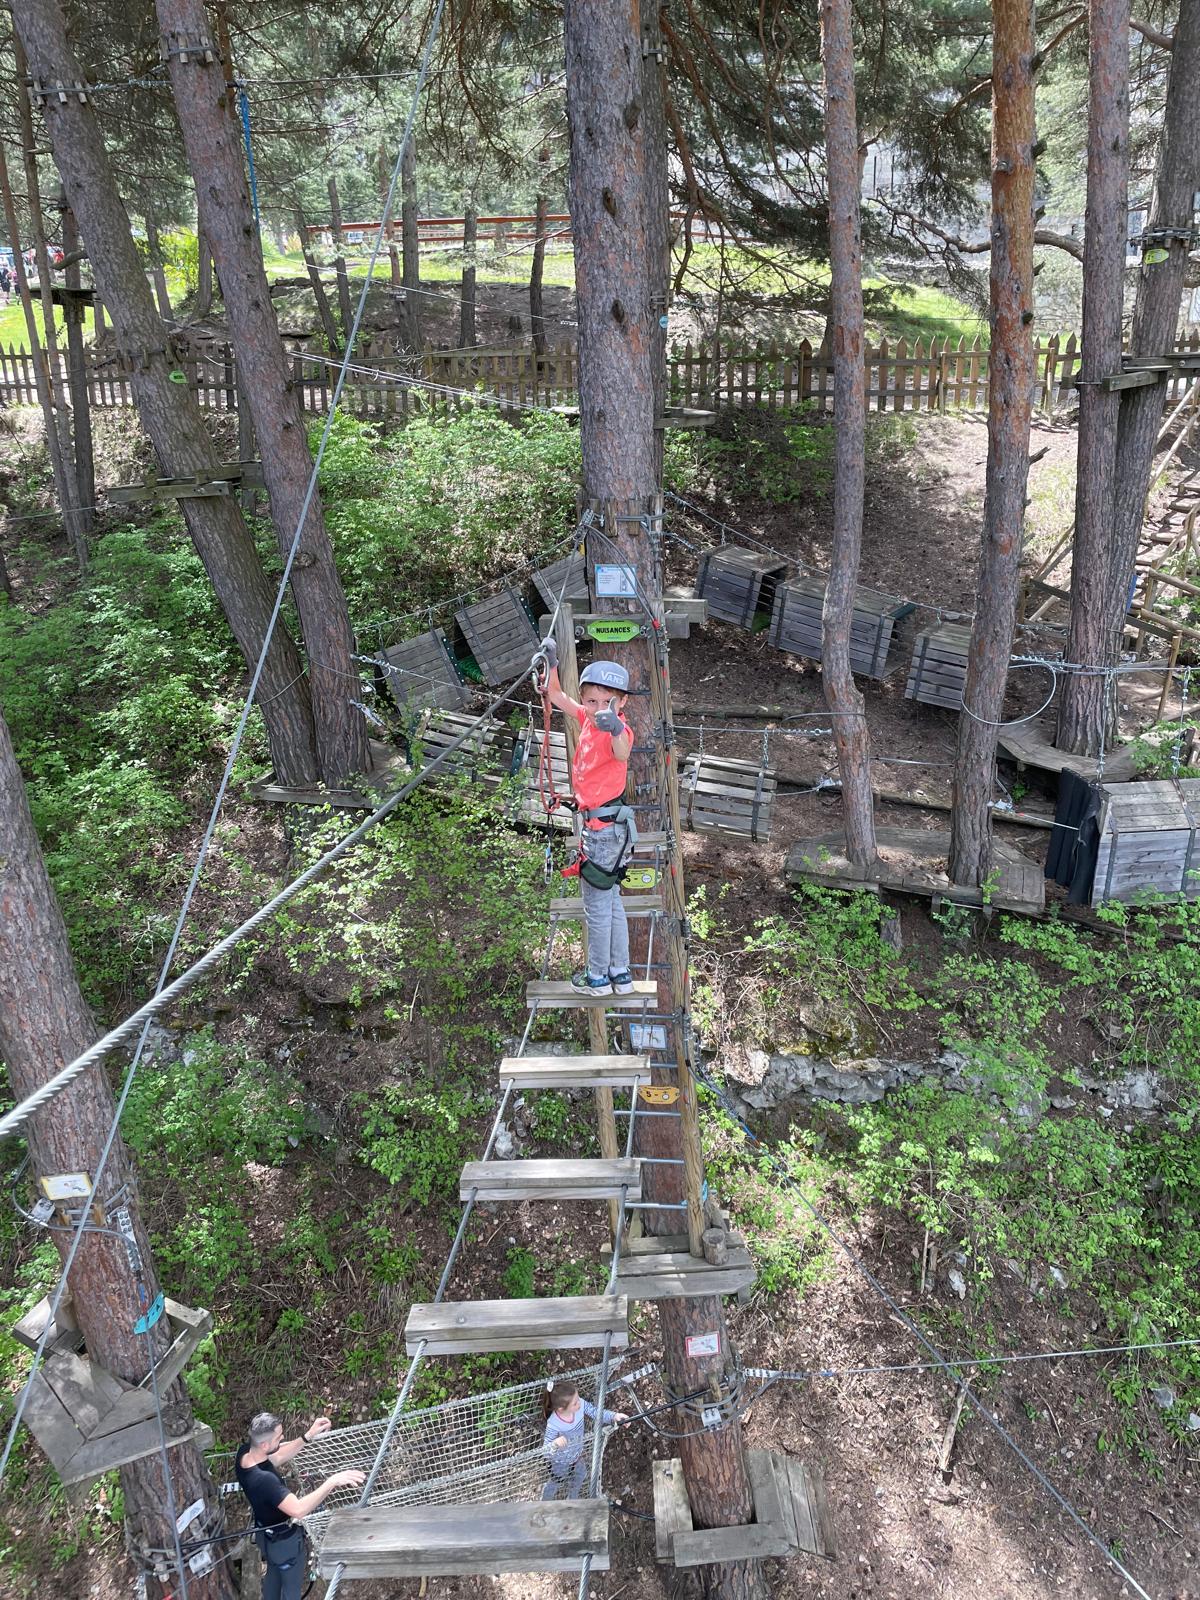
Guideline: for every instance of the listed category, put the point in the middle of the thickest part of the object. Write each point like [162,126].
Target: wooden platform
[500,634]
[913,861]
[578,1322]
[791,1515]
[730,797]
[575,1072]
[449,1541]
[634,905]
[658,1274]
[485,755]
[1031,744]
[739,584]
[389,772]
[579,1179]
[796,624]
[549,582]
[549,995]
[88,1422]
[421,672]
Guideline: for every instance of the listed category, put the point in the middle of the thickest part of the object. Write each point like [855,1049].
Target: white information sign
[648,1035]
[703,1344]
[188,1515]
[614,581]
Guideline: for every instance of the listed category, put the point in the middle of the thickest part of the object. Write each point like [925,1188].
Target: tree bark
[609,210]
[48,374]
[154,249]
[850,731]
[345,309]
[204,277]
[168,410]
[410,245]
[537,324]
[658,215]
[44,1023]
[1156,310]
[320,298]
[1010,408]
[467,336]
[81,405]
[215,158]
[1083,708]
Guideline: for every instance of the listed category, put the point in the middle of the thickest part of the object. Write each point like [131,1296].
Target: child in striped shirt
[566,1411]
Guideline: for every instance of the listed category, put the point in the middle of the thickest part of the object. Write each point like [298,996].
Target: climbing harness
[551,800]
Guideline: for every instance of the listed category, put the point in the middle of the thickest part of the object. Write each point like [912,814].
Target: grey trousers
[607,928]
[575,1478]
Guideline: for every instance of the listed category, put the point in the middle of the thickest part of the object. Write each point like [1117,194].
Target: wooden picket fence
[934,375]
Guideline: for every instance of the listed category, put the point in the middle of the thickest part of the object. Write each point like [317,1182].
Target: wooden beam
[574,1072]
[634,905]
[548,994]
[577,1322]
[678,1275]
[672,1509]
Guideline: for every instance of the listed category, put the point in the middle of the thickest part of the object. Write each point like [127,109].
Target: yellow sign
[654,1096]
[641,878]
[60,1186]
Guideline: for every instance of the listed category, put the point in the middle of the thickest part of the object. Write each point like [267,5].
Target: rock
[505,1147]
[1059,1094]
[1193,1422]
[957,1282]
[1059,1277]
[1136,1091]
[1163,1396]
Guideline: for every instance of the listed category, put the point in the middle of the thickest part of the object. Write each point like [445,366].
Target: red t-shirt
[597,777]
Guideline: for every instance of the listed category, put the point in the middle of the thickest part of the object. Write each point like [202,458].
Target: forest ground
[310,1243]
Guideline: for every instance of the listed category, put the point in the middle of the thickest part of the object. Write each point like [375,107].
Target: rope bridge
[484,1449]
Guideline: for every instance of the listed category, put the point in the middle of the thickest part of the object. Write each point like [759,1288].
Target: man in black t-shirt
[277,1511]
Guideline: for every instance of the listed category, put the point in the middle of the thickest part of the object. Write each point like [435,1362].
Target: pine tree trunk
[850,731]
[345,309]
[168,410]
[320,298]
[467,337]
[658,216]
[1083,709]
[1010,408]
[609,210]
[410,245]
[1156,310]
[265,386]
[537,321]
[81,404]
[44,1024]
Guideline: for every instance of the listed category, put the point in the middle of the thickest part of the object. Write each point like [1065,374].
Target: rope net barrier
[482,1449]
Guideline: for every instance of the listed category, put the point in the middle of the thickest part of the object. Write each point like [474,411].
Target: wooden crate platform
[575,1072]
[470,1327]
[658,1274]
[548,994]
[527,806]
[913,861]
[1148,842]
[796,624]
[635,905]
[938,670]
[485,756]
[1031,744]
[791,1515]
[462,1540]
[500,634]
[730,797]
[683,611]
[739,584]
[576,1179]
[421,672]
[571,570]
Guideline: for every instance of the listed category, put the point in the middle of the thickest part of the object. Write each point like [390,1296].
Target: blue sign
[146,1322]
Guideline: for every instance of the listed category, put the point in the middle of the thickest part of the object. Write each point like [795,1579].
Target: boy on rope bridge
[608,831]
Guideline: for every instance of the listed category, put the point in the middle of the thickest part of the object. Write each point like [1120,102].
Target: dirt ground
[906,1530]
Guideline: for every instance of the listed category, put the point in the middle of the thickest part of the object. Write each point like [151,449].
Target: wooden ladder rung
[545,993]
[577,1322]
[574,1072]
[634,905]
[584,1179]
[447,1541]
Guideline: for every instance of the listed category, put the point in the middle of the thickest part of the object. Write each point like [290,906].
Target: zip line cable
[162,988]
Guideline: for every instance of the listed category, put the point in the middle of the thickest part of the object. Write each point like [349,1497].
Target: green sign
[618,631]
[1154,256]
[641,878]
[177,376]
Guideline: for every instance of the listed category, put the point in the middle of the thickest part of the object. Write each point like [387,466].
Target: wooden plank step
[548,994]
[575,1072]
[466,1327]
[463,1540]
[573,1179]
[676,1275]
[634,905]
